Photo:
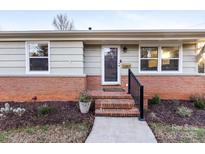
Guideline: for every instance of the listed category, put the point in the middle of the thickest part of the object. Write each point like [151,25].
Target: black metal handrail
[136,89]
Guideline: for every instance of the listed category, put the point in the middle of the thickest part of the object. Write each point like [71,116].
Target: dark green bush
[199,100]
[45,110]
[199,103]
[155,99]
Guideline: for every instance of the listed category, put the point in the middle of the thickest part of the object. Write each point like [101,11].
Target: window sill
[160,73]
[38,73]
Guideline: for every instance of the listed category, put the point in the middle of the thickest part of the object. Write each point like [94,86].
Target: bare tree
[62,22]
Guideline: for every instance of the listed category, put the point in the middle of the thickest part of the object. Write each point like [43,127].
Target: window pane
[170,52]
[38,50]
[111,64]
[149,52]
[170,64]
[38,64]
[149,65]
[201,67]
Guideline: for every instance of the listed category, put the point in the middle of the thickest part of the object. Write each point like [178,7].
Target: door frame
[118,82]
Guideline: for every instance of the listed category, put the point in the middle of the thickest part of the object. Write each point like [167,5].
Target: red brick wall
[168,87]
[68,88]
[45,88]
[173,87]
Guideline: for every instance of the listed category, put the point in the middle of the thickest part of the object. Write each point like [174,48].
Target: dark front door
[111,71]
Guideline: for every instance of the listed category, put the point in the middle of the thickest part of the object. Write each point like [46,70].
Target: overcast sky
[42,20]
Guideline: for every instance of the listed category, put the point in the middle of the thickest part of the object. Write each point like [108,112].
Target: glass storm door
[111,67]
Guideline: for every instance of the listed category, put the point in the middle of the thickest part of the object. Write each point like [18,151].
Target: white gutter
[169,34]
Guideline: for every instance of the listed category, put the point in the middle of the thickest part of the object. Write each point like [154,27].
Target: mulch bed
[165,112]
[64,112]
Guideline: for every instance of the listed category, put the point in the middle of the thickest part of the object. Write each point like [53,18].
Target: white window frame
[154,46]
[28,71]
[159,67]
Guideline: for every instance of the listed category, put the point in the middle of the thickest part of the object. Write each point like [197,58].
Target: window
[37,57]
[170,59]
[149,58]
[160,59]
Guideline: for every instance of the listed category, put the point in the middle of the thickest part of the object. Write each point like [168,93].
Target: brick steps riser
[117,112]
[116,115]
[111,97]
[114,106]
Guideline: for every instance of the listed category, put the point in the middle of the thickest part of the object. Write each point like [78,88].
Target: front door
[111,65]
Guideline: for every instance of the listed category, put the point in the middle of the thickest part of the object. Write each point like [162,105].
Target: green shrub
[199,104]
[199,100]
[45,110]
[155,99]
[184,111]
[85,97]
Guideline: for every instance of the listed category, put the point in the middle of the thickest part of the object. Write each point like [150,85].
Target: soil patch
[166,112]
[63,112]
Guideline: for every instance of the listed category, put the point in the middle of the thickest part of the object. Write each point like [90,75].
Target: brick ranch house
[58,65]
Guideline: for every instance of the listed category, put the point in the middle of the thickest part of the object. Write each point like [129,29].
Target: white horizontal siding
[92,63]
[92,59]
[67,71]
[66,51]
[66,58]
[12,58]
[189,59]
[9,51]
[14,64]
[92,71]
[12,45]
[66,44]
[189,70]
[12,70]
[67,64]
[130,57]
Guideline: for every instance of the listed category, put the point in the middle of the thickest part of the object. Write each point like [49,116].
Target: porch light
[124,49]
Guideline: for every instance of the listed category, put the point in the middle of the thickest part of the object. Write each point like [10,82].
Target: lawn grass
[68,132]
[177,134]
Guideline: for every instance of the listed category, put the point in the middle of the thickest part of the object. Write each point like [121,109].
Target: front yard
[44,122]
[175,121]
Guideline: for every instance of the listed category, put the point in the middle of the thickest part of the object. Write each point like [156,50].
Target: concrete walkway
[120,130]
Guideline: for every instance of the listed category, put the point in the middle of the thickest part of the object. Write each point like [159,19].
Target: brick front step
[114,103]
[99,94]
[117,112]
